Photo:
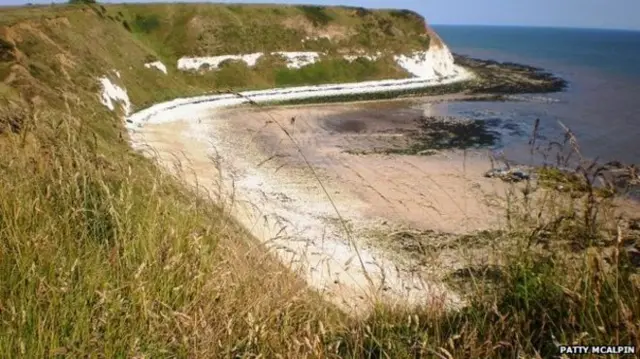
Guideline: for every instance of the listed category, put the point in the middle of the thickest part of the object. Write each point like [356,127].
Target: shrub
[146,24]
[150,58]
[126,25]
[316,14]
[233,74]
[6,50]
[361,12]
[405,14]
[331,70]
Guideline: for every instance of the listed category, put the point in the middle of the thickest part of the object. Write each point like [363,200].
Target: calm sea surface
[601,105]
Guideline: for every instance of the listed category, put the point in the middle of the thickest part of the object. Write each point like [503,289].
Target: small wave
[533,98]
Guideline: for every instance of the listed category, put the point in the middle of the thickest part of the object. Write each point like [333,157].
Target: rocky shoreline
[508,78]
[494,81]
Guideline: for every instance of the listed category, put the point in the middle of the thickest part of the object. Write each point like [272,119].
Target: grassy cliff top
[49,50]
[174,30]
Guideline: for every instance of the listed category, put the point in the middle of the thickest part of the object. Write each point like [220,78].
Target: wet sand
[259,163]
[443,192]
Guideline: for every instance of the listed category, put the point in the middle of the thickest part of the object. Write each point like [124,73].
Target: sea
[601,105]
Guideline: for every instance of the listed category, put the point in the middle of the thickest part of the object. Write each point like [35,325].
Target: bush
[6,50]
[126,25]
[146,24]
[150,58]
[326,71]
[360,11]
[316,14]
[405,14]
[233,74]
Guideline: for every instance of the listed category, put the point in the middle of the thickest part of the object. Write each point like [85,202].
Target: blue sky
[621,14]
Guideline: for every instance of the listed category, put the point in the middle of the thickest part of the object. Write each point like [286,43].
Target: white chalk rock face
[315,38]
[195,63]
[436,62]
[158,65]
[352,58]
[296,60]
[112,94]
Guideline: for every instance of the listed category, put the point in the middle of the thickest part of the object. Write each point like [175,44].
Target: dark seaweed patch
[443,133]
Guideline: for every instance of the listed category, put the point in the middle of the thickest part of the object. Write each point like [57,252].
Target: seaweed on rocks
[496,77]
[446,133]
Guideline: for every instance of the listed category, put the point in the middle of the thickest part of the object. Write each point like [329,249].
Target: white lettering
[573,349]
[597,349]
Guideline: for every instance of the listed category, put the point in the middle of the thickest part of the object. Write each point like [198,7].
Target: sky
[613,14]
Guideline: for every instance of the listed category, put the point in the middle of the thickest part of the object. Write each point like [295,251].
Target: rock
[519,175]
[427,153]
[634,255]
[494,172]
[508,174]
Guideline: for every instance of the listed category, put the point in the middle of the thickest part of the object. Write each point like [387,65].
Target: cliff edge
[162,51]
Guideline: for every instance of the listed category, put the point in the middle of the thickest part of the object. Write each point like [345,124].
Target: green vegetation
[146,24]
[337,71]
[316,14]
[362,12]
[234,74]
[197,29]
[405,14]
[103,255]
[567,181]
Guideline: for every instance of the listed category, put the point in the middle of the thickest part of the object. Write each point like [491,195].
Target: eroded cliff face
[442,56]
[436,61]
[431,61]
[162,51]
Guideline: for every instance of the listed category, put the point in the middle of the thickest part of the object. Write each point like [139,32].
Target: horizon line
[27,4]
[564,27]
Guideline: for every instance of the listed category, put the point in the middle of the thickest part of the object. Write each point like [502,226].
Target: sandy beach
[290,175]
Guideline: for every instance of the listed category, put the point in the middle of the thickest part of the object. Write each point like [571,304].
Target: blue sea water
[601,105]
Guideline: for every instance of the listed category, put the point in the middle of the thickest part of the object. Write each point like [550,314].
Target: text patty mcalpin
[597,349]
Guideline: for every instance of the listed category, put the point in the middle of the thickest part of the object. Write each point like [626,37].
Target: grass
[569,181]
[108,255]
[316,14]
[197,29]
[337,71]
[104,255]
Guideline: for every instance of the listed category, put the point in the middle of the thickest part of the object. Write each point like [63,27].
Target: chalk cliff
[140,54]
